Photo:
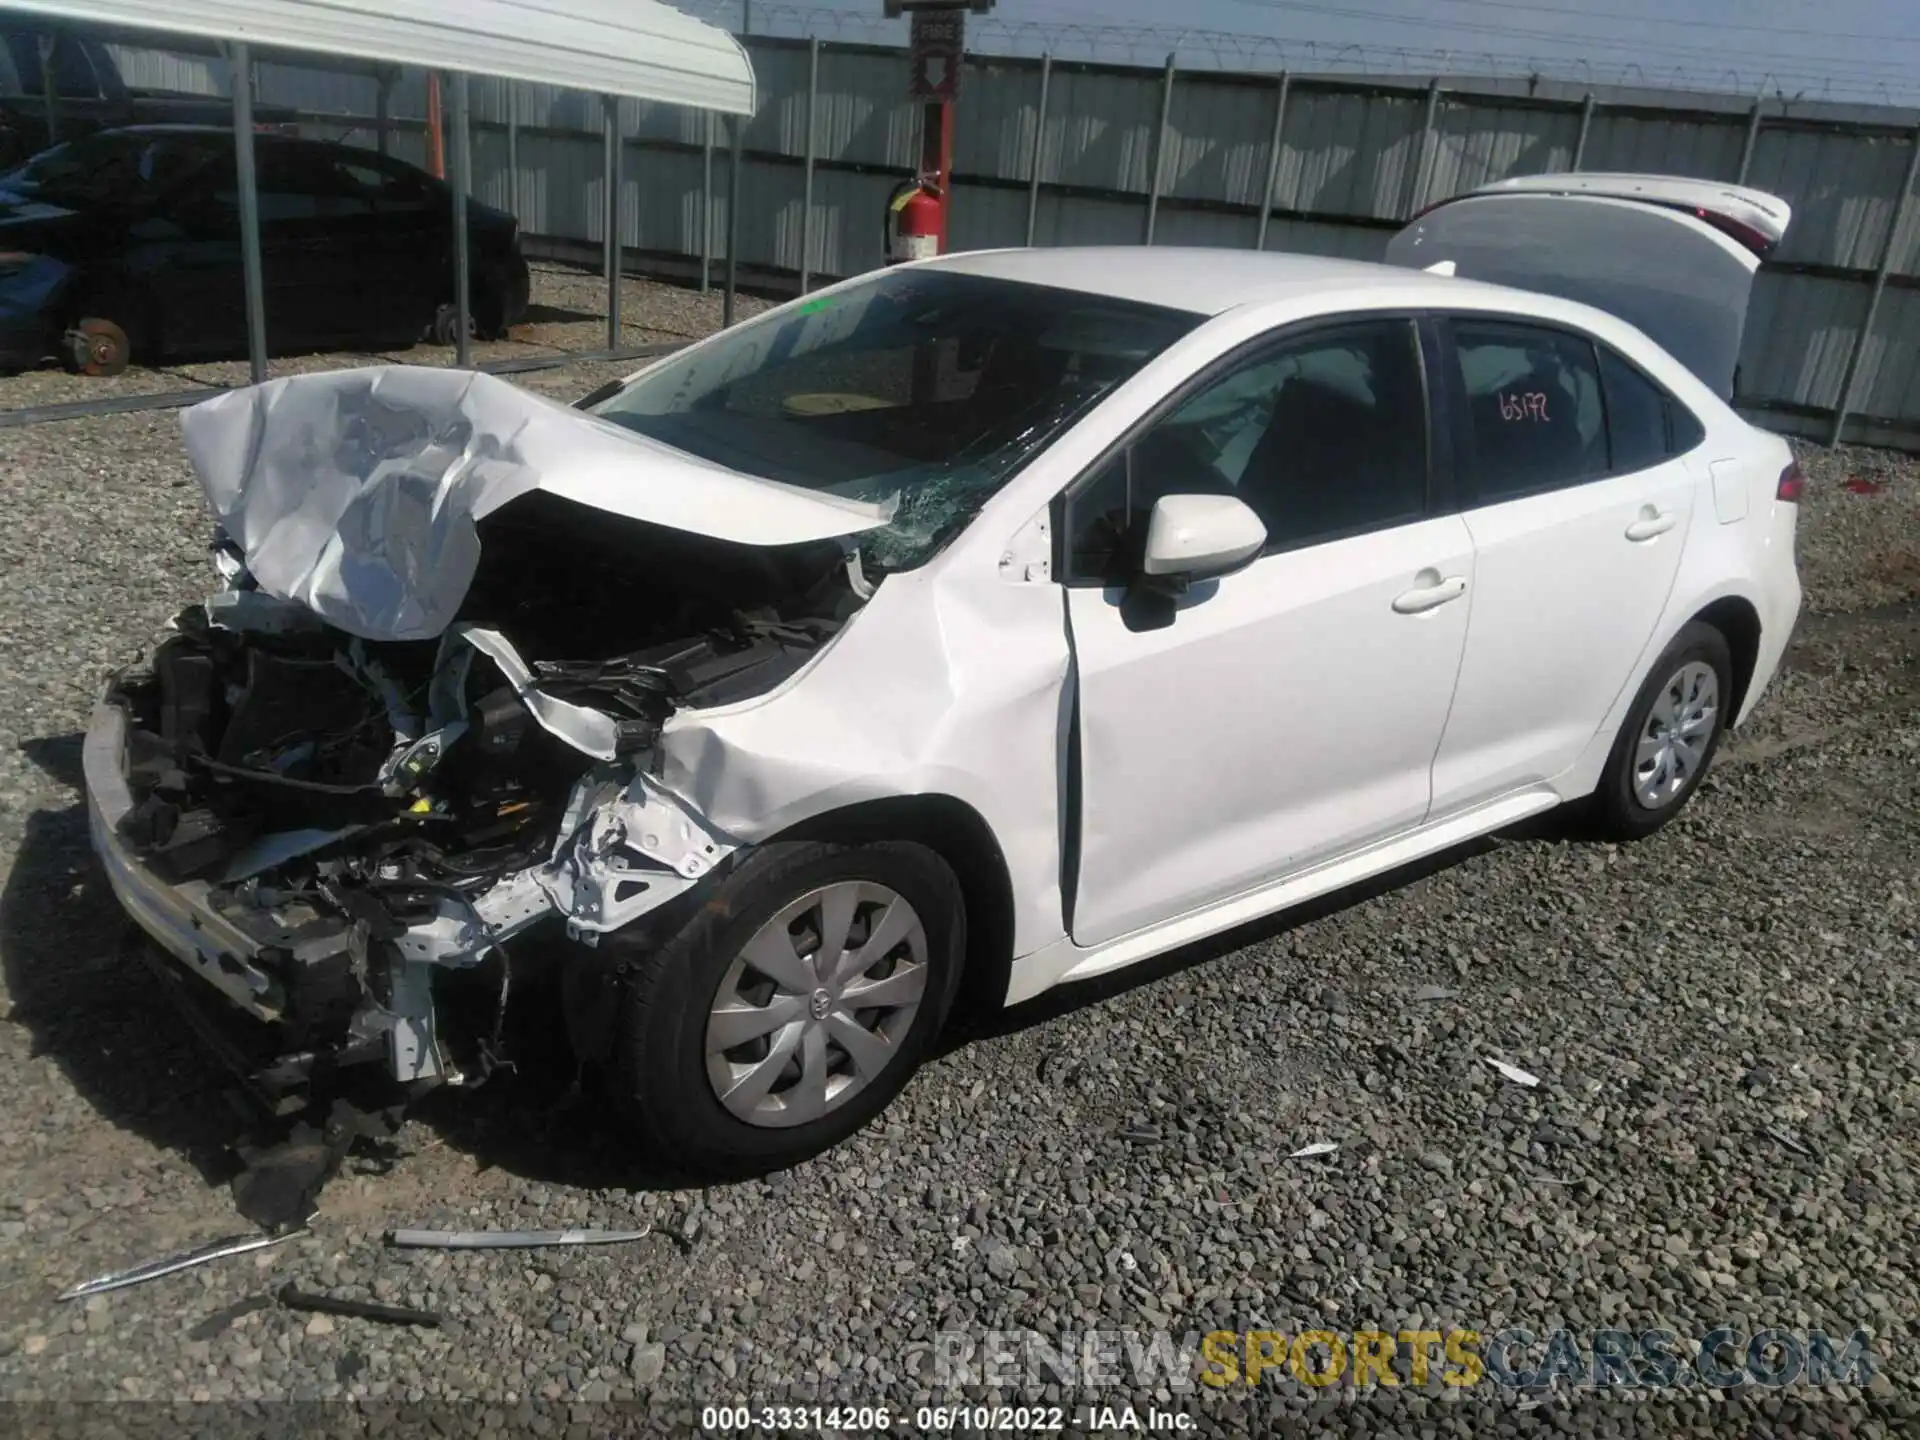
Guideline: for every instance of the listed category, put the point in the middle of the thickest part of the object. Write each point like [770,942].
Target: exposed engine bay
[372,816]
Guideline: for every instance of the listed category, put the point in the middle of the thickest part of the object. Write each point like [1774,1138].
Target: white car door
[1289,712]
[1577,526]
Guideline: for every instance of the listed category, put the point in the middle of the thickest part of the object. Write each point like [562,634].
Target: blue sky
[1848,49]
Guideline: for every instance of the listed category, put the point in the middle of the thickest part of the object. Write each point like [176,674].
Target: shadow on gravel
[85,998]
[1065,999]
[113,1029]
[539,1126]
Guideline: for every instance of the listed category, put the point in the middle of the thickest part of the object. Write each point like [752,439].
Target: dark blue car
[125,244]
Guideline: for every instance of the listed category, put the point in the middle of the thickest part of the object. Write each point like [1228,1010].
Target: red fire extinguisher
[913,230]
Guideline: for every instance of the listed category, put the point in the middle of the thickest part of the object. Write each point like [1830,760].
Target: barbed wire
[1229,50]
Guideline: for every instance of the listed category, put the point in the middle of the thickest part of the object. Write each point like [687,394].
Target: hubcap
[817,1004]
[1680,727]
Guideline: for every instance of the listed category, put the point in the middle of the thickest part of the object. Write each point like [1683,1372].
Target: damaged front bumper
[178,917]
[345,981]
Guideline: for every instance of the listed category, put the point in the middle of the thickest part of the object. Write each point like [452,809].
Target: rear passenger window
[1535,419]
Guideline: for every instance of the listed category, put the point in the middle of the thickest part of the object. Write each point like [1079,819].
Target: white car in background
[975,626]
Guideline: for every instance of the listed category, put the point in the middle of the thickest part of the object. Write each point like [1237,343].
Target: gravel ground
[567,315]
[1726,1129]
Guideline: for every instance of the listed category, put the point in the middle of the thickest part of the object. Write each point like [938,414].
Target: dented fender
[943,687]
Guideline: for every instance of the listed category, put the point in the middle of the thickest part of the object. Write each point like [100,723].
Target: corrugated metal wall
[1355,159]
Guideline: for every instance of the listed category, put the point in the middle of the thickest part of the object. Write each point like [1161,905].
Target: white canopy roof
[639,48]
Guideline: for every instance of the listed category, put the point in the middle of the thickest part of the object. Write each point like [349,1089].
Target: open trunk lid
[1672,256]
[356,492]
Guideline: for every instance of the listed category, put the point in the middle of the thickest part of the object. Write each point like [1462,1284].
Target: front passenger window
[1323,436]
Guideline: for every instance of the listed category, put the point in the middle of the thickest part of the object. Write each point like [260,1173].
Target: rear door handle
[1432,593]
[1652,522]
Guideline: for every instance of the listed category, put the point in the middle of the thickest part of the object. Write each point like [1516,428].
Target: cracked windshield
[923,390]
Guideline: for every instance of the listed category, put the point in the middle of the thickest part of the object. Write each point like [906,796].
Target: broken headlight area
[367,824]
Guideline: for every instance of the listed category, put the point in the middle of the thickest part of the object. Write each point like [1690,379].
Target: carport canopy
[635,49]
[641,49]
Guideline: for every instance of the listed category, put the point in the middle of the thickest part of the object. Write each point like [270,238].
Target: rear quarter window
[1645,425]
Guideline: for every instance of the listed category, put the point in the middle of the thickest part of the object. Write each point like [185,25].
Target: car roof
[1211,282]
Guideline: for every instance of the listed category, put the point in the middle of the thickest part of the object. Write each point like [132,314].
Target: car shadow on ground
[80,988]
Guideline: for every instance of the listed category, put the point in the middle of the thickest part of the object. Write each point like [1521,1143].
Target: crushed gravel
[1722,1021]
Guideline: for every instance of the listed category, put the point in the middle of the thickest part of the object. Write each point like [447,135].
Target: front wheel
[1670,735]
[792,1007]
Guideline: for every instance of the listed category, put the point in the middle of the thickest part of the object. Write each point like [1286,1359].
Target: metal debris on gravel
[510,1239]
[173,1264]
[1772,927]
[1514,1073]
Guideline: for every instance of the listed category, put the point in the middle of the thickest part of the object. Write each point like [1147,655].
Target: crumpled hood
[356,492]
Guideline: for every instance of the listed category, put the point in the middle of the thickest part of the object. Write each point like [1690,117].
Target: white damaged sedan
[958,631]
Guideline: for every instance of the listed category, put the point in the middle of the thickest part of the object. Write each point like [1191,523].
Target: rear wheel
[98,347]
[793,1005]
[1670,735]
[446,324]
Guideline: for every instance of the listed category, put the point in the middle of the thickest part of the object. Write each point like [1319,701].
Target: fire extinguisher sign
[939,41]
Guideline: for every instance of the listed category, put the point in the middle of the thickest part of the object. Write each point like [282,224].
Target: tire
[670,1077]
[1692,682]
[99,347]
[446,325]
[490,311]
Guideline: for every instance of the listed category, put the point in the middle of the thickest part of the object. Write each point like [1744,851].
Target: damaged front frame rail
[624,847]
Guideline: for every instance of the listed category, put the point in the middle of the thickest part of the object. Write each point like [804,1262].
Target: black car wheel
[446,325]
[98,347]
[791,1007]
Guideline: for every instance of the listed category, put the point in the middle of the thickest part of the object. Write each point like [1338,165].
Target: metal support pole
[806,194]
[1039,140]
[240,65]
[462,185]
[1586,128]
[382,110]
[706,208]
[1900,212]
[610,179]
[1417,171]
[1753,138]
[1273,160]
[733,218]
[739,141]
[49,92]
[1160,150]
[513,147]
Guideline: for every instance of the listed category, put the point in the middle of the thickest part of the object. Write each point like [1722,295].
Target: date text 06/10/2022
[940,1419]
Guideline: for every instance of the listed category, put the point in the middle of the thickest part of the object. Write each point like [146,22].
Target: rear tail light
[1792,482]
[1756,242]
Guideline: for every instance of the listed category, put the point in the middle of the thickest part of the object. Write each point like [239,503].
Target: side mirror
[1191,538]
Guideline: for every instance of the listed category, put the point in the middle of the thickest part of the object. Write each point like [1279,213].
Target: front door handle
[1652,522]
[1429,593]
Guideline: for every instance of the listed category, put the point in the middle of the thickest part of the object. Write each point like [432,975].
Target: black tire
[490,311]
[1618,811]
[446,325]
[660,1061]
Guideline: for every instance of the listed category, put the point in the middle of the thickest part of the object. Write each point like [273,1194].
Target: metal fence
[1056,152]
